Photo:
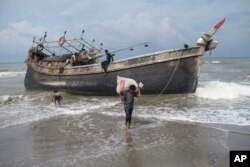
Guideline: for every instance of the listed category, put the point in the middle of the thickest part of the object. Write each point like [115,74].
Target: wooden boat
[168,71]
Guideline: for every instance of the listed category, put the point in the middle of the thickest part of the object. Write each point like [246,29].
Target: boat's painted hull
[154,77]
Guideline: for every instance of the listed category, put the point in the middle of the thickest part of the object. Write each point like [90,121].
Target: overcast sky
[166,24]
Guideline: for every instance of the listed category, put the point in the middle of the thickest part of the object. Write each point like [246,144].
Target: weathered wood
[153,70]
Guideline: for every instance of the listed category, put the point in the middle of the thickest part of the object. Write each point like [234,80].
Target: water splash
[222,90]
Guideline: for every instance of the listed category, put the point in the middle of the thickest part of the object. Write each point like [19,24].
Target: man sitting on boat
[83,57]
[109,58]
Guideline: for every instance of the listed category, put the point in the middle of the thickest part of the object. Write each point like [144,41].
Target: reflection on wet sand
[131,155]
[97,140]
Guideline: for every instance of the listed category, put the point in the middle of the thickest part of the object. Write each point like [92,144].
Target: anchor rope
[170,79]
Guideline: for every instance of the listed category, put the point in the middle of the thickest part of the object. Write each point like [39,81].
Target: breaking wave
[8,74]
[213,62]
[23,109]
[216,62]
[7,99]
[200,115]
[26,109]
[222,90]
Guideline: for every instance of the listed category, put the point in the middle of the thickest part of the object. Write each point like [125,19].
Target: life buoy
[62,40]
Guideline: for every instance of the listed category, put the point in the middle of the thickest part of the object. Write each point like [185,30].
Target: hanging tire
[40,47]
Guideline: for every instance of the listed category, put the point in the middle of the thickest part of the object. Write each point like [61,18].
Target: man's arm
[138,94]
[121,97]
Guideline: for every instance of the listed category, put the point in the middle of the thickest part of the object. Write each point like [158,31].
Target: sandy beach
[54,142]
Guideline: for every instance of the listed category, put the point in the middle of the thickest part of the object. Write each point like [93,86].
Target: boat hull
[172,76]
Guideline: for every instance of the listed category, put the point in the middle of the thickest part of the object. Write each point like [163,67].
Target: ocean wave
[5,70]
[222,90]
[25,109]
[201,115]
[213,62]
[11,74]
[8,99]
[32,108]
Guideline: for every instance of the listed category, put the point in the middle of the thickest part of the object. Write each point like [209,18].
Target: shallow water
[89,130]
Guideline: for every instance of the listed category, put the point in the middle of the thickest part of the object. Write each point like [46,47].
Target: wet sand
[101,141]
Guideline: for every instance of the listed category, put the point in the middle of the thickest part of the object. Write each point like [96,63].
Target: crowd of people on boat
[84,58]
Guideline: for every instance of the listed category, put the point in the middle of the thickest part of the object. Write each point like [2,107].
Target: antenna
[82,34]
[101,44]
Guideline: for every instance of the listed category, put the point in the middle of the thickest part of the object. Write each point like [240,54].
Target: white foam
[6,99]
[30,108]
[222,90]
[11,74]
[217,116]
[216,62]
[35,108]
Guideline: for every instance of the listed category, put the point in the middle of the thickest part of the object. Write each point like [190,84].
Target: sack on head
[124,83]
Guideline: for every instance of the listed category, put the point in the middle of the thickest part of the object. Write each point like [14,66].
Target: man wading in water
[128,101]
[56,98]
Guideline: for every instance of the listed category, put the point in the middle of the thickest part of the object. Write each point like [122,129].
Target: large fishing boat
[167,72]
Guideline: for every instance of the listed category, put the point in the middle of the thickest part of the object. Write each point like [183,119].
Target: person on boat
[128,101]
[83,57]
[56,98]
[109,58]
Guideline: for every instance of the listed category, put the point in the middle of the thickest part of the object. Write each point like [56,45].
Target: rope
[170,79]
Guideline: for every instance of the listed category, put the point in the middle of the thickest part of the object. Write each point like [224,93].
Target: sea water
[222,96]
[96,123]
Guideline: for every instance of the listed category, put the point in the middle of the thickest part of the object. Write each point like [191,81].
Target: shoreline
[50,142]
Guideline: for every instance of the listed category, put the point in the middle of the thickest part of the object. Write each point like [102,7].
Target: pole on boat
[62,40]
[72,46]
[34,41]
[40,45]
[84,41]
[69,43]
[131,48]
[101,44]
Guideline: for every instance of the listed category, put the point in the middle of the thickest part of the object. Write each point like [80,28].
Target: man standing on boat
[128,100]
[109,58]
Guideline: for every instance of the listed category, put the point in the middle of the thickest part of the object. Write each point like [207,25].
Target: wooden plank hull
[155,76]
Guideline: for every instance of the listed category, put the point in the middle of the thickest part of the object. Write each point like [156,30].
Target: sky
[167,24]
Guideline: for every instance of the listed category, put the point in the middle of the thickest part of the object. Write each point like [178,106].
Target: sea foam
[11,74]
[222,90]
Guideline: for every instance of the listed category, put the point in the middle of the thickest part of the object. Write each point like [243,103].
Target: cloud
[67,15]
[141,27]
[167,24]
[16,38]
[19,34]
